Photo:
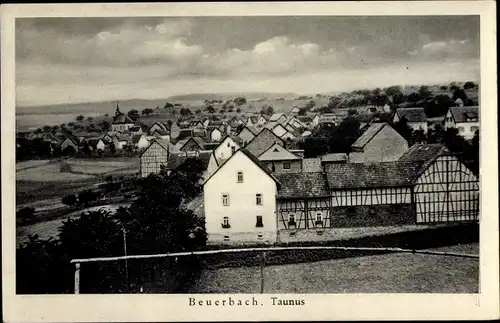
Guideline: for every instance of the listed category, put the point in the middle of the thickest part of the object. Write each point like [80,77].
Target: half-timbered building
[154,156]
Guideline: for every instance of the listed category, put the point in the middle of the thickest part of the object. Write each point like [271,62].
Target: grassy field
[40,180]
[389,273]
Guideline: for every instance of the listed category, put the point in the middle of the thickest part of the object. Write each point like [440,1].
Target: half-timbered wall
[447,191]
[375,196]
[305,213]
[152,159]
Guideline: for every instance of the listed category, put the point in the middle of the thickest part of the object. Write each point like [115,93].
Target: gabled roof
[412,114]
[175,161]
[460,114]
[424,154]
[265,116]
[311,165]
[161,125]
[296,185]
[164,143]
[277,152]
[122,119]
[369,175]
[304,119]
[276,116]
[368,135]
[94,141]
[123,137]
[136,138]
[253,159]
[260,143]
[199,142]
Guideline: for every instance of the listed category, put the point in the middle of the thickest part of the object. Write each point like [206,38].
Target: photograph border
[175,307]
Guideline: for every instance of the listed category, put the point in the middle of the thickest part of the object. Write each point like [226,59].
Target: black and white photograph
[222,155]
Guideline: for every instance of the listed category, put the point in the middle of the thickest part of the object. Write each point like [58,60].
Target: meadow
[387,273]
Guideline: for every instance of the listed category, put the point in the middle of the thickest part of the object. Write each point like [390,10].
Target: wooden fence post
[262,264]
[77,278]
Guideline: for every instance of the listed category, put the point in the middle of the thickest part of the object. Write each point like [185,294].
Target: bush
[25,213]
[69,200]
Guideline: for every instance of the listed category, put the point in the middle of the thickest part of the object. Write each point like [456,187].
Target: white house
[240,202]
[415,117]
[140,141]
[228,146]
[215,135]
[97,144]
[465,119]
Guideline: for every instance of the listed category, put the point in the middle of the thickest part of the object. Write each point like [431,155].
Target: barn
[154,156]
[444,189]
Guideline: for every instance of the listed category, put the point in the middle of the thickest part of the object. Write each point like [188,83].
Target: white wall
[467,129]
[242,210]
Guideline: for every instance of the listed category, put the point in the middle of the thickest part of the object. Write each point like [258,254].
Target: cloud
[447,49]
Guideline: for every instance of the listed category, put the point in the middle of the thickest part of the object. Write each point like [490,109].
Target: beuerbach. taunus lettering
[223,302]
[288,302]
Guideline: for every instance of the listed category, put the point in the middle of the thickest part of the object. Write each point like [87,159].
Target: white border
[98,308]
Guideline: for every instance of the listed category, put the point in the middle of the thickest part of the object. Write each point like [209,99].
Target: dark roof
[94,141]
[136,138]
[134,129]
[311,165]
[161,132]
[302,185]
[122,119]
[253,130]
[412,114]
[175,160]
[460,113]
[332,158]
[423,154]
[368,134]
[254,159]
[304,119]
[260,142]
[368,175]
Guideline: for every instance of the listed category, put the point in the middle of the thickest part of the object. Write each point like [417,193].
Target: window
[225,199]
[258,199]
[226,238]
[260,236]
[319,218]
[228,144]
[286,165]
[291,219]
[233,149]
[225,223]
[240,177]
[259,223]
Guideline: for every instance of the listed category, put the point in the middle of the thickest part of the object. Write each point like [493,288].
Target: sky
[70,60]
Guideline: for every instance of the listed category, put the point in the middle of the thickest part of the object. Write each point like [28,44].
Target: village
[303,175]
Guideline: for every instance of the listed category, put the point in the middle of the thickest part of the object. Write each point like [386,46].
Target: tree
[86,197]
[424,91]
[198,111]
[211,109]
[453,86]
[240,101]
[105,125]
[168,106]
[90,118]
[302,111]
[69,151]
[80,118]
[414,97]
[112,147]
[69,199]
[186,112]
[443,87]
[46,128]
[147,111]
[267,110]
[459,94]
[133,114]
[25,213]
[392,90]
[86,148]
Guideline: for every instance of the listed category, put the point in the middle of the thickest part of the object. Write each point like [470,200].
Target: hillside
[229,96]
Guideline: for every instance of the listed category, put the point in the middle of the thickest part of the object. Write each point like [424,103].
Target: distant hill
[229,96]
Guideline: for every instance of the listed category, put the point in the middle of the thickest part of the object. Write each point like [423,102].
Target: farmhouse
[248,133]
[227,147]
[97,144]
[415,117]
[280,160]
[240,201]
[215,134]
[465,119]
[380,142]
[154,156]
[139,141]
[121,122]
[193,144]
[265,139]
